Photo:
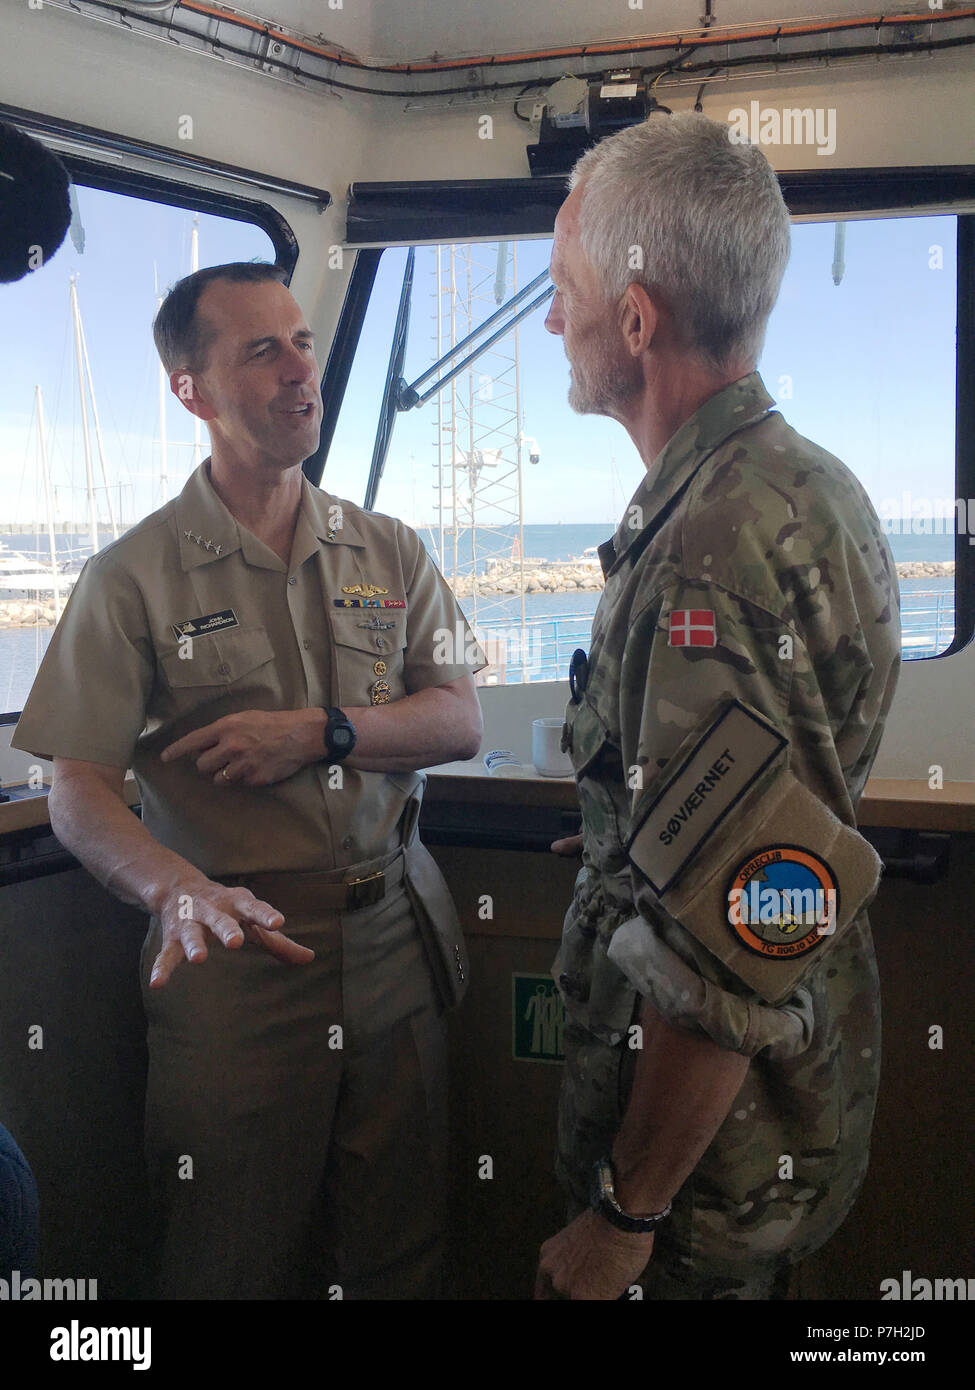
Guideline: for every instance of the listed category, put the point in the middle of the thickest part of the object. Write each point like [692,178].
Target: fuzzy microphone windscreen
[35,209]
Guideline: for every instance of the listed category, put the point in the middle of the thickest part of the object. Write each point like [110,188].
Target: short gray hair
[710,219]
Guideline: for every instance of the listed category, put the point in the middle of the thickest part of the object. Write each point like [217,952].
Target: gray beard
[603,395]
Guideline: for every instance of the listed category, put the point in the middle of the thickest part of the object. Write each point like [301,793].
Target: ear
[639,316]
[185,386]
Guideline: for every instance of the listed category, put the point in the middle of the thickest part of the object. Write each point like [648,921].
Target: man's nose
[299,365]
[554,321]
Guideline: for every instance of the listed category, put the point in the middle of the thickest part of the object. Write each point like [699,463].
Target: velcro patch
[202,627]
[772,887]
[698,794]
[692,627]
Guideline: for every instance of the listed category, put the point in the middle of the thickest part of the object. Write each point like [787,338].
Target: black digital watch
[339,735]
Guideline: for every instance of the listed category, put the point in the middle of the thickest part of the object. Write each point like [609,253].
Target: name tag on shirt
[203,627]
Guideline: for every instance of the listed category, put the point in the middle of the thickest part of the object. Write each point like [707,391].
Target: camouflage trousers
[595,1091]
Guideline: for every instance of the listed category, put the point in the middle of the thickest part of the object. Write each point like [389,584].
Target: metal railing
[539,651]
[927,621]
[542,649]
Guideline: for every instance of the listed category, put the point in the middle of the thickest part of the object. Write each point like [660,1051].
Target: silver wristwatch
[603,1200]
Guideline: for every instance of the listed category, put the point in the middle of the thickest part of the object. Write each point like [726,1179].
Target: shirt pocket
[369,662]
[599,773]
[233,667]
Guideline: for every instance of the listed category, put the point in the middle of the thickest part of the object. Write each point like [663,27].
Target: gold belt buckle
[363,892]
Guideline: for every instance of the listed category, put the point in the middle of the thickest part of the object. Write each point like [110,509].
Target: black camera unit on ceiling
[578,112]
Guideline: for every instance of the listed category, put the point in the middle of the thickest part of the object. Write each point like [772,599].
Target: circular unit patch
[782,900]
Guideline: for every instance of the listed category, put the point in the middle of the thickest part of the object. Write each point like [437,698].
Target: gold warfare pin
[364,590]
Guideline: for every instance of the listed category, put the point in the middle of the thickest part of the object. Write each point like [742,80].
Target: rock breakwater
[498,579]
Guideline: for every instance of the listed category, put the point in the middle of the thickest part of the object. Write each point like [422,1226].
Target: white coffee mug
[547,753]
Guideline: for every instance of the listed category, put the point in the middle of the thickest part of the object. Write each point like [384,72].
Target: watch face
[342,739]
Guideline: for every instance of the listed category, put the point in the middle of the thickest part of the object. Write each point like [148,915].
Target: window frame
[153,188]
[384,215]
[150,187]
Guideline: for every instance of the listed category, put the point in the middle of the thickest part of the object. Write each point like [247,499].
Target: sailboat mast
[194,267]
[98,429]
[92,515]
[163,389]
[441,554]
[47,503]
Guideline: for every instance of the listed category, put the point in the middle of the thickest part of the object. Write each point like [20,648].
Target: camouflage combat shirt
[757,534]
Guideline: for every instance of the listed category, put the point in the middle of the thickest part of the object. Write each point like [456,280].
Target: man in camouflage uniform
[750,565]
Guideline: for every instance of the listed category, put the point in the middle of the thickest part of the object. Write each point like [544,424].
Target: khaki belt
[310,892]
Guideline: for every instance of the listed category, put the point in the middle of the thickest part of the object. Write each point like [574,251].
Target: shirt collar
[208,531]
[324,516]
[735,406]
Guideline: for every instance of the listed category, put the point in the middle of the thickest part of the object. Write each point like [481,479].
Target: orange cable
[711,39]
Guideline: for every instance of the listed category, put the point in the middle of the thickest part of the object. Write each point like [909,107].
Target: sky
[866,369]
[131,246]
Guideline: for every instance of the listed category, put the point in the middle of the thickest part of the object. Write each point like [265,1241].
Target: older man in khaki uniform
[723,1038]
[230,648]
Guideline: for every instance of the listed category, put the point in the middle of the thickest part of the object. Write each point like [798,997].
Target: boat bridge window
[512,492]
[509,489]
[93,439]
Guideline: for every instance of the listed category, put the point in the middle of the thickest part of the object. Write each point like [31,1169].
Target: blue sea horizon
[551,541]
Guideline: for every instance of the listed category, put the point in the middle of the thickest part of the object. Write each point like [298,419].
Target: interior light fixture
[145,5]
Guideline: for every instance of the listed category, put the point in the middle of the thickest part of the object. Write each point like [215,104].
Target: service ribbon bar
[369,602]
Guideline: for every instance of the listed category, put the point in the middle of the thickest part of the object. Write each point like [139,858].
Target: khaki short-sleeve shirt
[189,617]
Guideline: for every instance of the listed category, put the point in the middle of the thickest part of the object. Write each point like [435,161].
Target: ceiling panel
[401,30]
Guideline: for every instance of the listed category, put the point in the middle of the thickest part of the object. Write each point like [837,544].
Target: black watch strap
[603,1200]
[339,735]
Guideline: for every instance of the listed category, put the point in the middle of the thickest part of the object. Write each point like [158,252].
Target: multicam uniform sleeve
[89,697]
[692,646]
[440,646]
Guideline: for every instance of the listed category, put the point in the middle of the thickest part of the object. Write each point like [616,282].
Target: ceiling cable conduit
[276,52]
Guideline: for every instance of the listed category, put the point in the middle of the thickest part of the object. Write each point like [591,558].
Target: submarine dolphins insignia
[374,625]
[364,590]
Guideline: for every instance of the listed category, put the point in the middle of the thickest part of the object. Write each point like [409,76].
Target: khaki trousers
[296,1114]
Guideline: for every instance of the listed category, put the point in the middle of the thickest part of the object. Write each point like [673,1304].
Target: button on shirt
[190,617]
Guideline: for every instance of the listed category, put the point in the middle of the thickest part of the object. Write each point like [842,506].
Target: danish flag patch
[692,627]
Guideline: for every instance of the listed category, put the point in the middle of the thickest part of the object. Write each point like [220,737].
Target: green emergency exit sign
[538,1017]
